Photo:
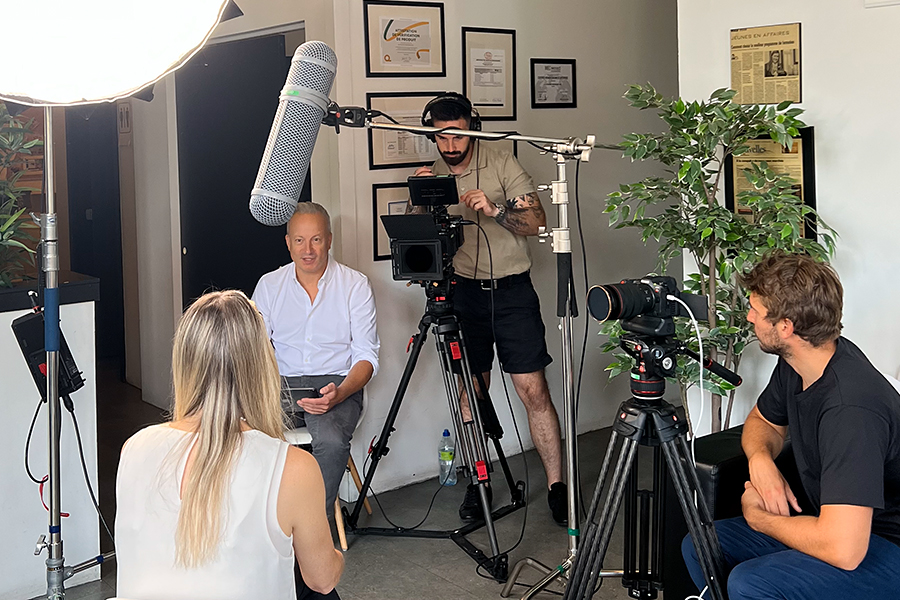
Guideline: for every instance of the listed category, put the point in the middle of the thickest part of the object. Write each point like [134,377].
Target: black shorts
[517,323]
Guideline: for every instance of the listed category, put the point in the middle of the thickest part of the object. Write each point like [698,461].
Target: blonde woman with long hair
[215,504]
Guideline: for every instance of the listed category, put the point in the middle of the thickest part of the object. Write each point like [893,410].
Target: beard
[454,158]
[774,346]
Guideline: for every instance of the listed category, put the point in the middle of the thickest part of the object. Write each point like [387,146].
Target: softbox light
[86,51]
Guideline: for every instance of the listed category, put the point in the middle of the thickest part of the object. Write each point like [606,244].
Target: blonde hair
[224,371]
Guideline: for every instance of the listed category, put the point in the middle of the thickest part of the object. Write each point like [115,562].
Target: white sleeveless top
[255,558]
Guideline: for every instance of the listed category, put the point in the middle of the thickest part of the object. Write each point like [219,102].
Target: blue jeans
[762,568]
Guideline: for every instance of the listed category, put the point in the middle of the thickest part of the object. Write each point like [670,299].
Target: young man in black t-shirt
[843,418]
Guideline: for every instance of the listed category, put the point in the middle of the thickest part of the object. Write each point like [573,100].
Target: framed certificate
[489,72]
[400,149]
[387,199]
[553,83]
[404,39]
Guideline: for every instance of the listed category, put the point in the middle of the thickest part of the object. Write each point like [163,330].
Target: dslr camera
[644,305]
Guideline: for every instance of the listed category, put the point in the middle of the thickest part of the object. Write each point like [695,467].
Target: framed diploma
[799,162]
[404,39]
[553,83]
[489,72]
[400,149]
[387,199]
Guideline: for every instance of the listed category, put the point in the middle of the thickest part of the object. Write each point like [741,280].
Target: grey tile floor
[391,568]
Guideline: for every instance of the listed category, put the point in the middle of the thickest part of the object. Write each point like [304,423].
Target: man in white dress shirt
[320,316]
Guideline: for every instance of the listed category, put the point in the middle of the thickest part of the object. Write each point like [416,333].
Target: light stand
[561,149]
[57,572]
[65,71]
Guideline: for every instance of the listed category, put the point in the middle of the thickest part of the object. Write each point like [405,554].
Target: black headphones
[451,98]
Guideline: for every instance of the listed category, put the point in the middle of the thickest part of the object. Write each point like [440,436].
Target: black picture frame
[506,112]
[439,6]
[378,251]
[373,133]
[536,101]
[808,184]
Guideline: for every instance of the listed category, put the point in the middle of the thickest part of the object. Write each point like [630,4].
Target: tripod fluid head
[656,358]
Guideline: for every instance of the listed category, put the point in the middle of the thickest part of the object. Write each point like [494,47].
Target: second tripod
[647,419]
[472,432]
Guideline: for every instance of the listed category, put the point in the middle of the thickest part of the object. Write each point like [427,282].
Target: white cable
[698,596]
[700,344]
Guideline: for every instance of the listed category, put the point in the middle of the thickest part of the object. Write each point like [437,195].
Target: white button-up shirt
[324,337]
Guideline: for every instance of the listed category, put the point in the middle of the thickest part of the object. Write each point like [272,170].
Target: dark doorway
[95,226]
[226,99]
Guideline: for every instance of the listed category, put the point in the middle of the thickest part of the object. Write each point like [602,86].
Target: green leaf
[706,233]
[685,167]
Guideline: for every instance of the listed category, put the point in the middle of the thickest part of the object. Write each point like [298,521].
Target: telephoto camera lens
[623,300]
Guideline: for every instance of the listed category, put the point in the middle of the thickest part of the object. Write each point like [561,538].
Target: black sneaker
[558,499]
[470,509]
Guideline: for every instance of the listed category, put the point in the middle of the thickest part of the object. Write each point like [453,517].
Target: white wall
[615,43]
[158,237]
[22,518]
[849,93]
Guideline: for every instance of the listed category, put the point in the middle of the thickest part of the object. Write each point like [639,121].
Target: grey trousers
[331,432]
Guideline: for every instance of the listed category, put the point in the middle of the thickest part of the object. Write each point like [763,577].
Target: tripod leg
[590,559]
[705,552]
[381,448]
[450,344]
[495,433]
[707,526]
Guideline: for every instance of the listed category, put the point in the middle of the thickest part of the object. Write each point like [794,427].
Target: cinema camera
[423,245]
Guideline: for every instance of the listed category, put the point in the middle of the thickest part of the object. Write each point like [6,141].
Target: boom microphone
[301,107]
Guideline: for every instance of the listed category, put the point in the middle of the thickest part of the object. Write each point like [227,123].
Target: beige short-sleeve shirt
[500,176]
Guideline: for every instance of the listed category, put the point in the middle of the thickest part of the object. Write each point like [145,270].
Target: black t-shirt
[845,434]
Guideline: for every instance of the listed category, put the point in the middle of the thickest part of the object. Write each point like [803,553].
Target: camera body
[423,245]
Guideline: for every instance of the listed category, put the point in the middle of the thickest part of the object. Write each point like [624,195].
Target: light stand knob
[40,545]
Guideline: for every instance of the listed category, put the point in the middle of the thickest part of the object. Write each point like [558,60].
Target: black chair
[722,470]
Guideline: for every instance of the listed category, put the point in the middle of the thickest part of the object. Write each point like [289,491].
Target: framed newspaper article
[799,162]
[404,39]
[400,149]
[765,64]
[489,72]
[387,199]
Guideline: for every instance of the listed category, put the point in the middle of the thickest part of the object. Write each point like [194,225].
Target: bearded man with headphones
[497,193]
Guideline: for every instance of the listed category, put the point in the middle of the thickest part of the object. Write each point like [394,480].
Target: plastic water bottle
[446,452]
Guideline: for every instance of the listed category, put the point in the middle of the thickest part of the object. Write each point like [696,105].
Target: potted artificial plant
[692,220]
[17,231]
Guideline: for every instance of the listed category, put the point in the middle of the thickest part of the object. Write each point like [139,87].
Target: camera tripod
[471,432]
[646,419]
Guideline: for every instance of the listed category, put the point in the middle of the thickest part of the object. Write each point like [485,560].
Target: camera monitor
[433,190]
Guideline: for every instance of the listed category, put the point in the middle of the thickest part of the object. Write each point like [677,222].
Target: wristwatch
[502,209]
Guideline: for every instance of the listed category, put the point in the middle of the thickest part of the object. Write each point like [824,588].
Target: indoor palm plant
[17,231]
[689,217]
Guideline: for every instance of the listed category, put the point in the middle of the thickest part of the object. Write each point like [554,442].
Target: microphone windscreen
[301,108]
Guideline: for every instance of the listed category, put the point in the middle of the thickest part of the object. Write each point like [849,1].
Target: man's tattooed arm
[524,215]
